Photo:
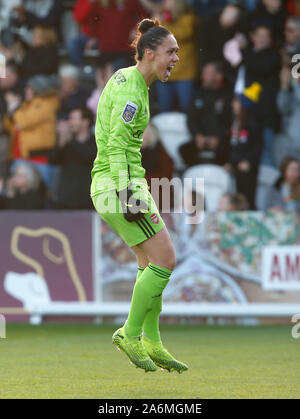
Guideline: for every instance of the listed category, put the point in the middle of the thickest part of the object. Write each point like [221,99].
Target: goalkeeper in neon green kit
[120,192]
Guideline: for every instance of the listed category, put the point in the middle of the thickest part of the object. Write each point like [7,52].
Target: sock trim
[159,272]
[162,269]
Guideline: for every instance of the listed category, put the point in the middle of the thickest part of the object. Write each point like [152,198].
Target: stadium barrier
[69,264]
[266,310]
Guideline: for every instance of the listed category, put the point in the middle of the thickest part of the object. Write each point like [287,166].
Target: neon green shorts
[133,233]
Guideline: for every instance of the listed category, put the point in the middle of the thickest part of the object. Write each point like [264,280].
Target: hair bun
[147,24]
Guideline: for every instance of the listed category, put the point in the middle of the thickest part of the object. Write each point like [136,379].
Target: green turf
[79,361]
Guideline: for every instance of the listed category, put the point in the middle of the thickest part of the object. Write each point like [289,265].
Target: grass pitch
[79,361]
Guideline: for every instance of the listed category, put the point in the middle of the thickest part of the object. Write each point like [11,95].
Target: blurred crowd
[237,82]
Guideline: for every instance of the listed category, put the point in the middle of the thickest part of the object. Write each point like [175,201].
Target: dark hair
[239,201]
[86,114]
[11,63]
[218,66]
[286,162]
[257,26]
[295,188]
[284,165]
[150,35]
[294,19]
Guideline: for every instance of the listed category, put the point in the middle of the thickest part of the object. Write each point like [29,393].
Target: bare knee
[166,260]
[141,257]
[160,250]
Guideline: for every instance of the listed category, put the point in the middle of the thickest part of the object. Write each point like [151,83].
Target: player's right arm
[124,114]
[122,122]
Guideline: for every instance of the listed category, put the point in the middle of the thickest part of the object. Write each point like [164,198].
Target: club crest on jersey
[129,112]
[154,218]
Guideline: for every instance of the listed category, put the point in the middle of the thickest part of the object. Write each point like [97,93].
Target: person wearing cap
[32,124]
[245,142]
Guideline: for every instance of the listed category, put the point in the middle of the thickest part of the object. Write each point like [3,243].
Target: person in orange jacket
[32,123]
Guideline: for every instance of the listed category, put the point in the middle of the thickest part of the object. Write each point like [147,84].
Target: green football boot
[162,357]
[133,348]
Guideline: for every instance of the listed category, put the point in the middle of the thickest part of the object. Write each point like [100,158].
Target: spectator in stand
[23,190]
[293,7]
[180,20]
[156,161]
[209,119]
[85,39]
[92,102]
[111,22]
[32,123]
[263,64]
[287,142]
[34,13]
[7,35]
[75,153]
[4,149]
[6,8]
[291,39]
[203,7]
[88,14]
[42,56]
[251,5]
[9,82]
[285,193]
[233,202]
[245,143]
[272,14]
[72,94]
[218,28]
[13,97]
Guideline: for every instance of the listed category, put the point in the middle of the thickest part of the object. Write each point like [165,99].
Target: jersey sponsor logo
[119,77]
[129,112]
[154,218]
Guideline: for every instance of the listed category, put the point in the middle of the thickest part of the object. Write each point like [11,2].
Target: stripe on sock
[160,268]
[159,272]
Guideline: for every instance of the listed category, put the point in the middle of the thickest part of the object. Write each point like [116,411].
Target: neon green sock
[139,272]
[150,285]
[151,322]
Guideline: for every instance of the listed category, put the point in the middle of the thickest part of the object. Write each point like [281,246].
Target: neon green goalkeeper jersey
[122,117]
